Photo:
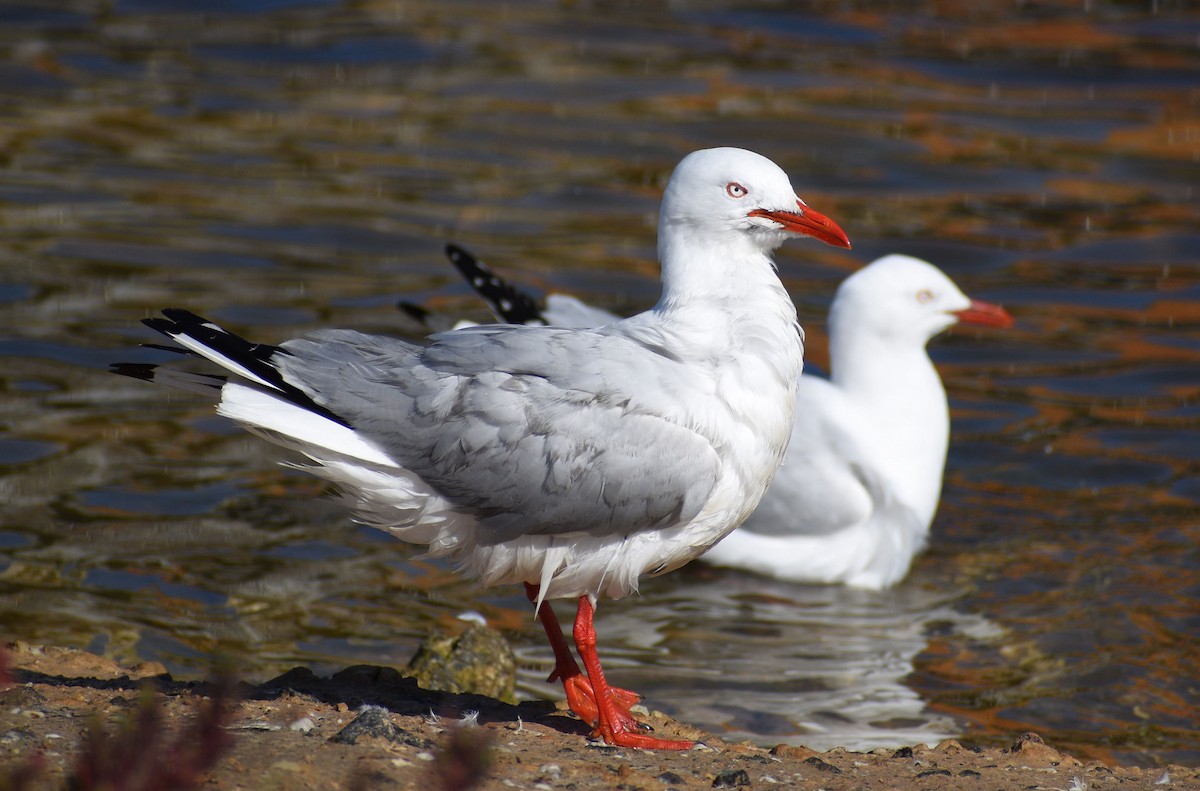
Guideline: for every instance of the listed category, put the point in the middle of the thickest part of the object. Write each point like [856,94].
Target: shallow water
[282,166]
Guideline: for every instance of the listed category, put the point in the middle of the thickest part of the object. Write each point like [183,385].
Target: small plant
[138,756]
[6,678]
[464,760]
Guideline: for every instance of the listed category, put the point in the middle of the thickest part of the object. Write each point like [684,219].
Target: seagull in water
[858,489]
[857,493]
[574,461]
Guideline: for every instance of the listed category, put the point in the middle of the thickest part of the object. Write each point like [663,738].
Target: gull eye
[924,295]
[735,190]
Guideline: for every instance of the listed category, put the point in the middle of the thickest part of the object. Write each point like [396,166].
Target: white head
[736,199]
[906,299]
[881,319]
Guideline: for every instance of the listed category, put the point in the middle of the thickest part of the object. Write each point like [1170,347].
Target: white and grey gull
[574,461]
[855,498]
[856,495]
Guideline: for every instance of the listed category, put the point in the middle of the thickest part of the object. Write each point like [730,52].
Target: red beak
[807,222]
[985,313]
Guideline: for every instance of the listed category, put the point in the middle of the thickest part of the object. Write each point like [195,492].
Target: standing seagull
[571,460]
[857,491]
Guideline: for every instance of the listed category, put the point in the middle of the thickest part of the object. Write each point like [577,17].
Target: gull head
[902,297]
[734,196]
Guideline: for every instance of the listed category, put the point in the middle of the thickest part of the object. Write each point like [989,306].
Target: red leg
[575,684]
[566,670]
[564,664]
[613,727]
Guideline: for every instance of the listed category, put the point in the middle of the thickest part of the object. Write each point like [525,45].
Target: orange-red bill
[985,313]
[808,222]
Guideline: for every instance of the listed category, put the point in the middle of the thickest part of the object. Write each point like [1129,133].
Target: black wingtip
[257,358]
[204,384]
[161,347]
[508,303]
[414,311]
[430,320]
[467,265]
[143,371]
[181,316]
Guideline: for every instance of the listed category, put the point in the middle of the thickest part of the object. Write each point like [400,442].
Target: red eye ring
[735,190]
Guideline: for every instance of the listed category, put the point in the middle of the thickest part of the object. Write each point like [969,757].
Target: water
[282,166]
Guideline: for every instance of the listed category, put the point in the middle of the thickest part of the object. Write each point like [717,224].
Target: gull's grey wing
[535,430]
[566,311]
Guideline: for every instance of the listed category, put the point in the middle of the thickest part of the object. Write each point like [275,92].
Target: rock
[18,737]
[149,670]
[1024,740]
[478,661]
[1032,750]
[792,751]
[23,697]
[732,778]
[63,662]
[297,679]
[949,747]
[374,722]
[370,676]
[822,766]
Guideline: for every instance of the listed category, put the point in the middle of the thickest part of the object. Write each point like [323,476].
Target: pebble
[823,766]
[304,725]
[257,725]
[375,721]
[733,778]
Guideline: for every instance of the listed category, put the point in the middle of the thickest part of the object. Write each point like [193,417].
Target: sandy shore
[369,727]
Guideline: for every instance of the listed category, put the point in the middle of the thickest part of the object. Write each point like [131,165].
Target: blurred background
[283,165]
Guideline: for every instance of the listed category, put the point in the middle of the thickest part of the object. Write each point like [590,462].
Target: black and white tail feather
[507,303]
[203,384]
[200,337]
[254,391]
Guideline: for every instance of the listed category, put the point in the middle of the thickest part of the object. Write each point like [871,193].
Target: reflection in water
[283,166]
[823,666]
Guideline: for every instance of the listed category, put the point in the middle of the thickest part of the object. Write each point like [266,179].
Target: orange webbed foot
[582,701]
[614,722]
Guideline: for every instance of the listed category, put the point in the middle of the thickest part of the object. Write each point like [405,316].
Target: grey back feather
[533,432]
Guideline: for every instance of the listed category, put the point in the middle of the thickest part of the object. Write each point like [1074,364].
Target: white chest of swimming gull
[856,494]
[571,460]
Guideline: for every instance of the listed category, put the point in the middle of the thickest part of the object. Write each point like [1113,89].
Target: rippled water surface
[282,166]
